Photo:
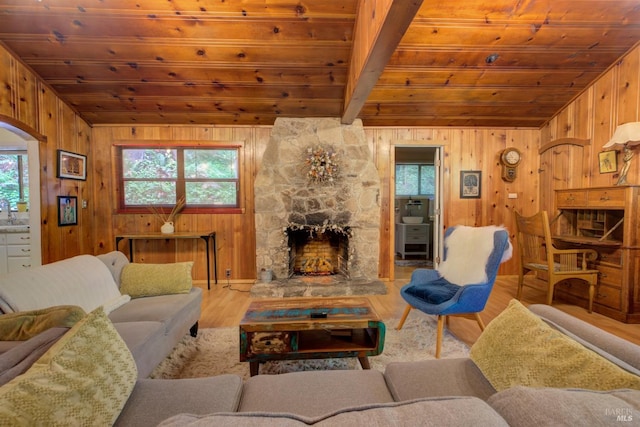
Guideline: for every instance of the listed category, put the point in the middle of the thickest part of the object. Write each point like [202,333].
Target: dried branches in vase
[168,219]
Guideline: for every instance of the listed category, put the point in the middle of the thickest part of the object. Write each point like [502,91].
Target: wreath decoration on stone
[322,165]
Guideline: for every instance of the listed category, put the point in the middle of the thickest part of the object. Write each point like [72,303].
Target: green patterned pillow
[519,348]
[23,325]
[147,280]
[84,379]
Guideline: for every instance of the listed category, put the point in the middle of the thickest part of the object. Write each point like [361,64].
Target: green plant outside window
[14,177]
[206,177]
[415,179]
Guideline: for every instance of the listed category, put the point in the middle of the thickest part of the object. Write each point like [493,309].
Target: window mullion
[20,178]
[181,190]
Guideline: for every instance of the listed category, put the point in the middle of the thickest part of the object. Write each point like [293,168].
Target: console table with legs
[207,237]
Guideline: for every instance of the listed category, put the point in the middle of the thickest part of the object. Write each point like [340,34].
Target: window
[159,176]
[415,179]
[14,177]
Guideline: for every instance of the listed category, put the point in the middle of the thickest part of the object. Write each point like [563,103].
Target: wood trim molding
[20,128]
[564,141]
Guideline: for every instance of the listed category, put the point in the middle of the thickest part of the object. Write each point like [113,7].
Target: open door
[438,232]
[416,191]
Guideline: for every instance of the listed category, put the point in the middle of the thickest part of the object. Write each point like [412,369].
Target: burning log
[317,266]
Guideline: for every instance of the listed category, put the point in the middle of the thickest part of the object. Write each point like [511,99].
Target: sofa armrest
[115,262]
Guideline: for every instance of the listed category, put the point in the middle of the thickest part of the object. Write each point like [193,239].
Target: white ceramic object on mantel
[412,219]
[167,228]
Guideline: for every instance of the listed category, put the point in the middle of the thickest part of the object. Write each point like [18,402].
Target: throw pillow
[24,325]
[145,280]
[85,378]
[519,348]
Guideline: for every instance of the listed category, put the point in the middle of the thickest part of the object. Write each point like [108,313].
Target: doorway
[416,194]
[12,138]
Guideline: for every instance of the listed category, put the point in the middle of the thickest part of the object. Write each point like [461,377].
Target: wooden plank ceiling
[459,63]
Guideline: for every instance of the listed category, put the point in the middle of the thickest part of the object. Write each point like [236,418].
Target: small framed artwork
[608,161]
[470,184]
[72,165]
[67,210]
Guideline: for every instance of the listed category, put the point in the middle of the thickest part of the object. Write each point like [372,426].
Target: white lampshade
[627,133]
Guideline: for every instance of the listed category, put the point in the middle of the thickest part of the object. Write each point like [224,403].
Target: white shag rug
[216,351]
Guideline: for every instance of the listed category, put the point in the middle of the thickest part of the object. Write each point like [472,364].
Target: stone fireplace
[290,208]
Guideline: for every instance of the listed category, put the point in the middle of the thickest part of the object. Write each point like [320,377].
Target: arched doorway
[14,134]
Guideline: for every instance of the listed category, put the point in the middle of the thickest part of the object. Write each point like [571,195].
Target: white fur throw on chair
[468,249]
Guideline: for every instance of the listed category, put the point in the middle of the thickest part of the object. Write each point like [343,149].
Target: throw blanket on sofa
[83,280]
[17,360]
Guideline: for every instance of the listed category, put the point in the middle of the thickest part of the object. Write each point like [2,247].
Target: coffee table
[310,328]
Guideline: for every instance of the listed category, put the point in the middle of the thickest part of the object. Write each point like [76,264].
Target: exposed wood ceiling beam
[379,28]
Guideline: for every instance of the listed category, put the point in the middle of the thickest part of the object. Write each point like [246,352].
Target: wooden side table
[310,328]
[178,235]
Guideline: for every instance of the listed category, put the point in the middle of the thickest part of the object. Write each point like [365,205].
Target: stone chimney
[285,195]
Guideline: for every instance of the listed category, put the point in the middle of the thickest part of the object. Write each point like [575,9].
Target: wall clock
[510,159]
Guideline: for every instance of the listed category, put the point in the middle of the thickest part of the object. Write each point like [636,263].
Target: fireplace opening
[313,253]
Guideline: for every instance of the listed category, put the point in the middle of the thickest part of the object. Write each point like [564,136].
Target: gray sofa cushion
[147,343]
[155,400]
[432,378]
[313,393]
[167,309]
[524,406]
[440,412]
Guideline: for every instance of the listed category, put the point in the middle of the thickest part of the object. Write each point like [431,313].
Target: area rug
[321,286]
[216,351]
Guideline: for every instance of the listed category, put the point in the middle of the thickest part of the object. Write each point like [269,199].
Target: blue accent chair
[433,294]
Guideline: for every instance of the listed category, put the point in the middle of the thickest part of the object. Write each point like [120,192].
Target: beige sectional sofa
[431,392]
[536,366]
[150,326]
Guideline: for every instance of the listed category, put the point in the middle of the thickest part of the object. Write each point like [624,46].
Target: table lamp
[627,135]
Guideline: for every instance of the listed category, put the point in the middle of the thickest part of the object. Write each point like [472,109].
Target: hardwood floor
[225,304]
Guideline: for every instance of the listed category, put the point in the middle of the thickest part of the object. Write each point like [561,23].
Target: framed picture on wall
[72,165]
[470,184]
[608,161]
[67,210]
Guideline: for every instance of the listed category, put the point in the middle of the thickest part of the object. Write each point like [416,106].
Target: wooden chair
[538,254]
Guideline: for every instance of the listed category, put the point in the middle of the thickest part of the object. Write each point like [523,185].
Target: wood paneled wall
[613,99]
[235,233]
[464,148]
[36,108]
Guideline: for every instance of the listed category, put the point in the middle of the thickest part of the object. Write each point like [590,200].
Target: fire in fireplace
[317,251]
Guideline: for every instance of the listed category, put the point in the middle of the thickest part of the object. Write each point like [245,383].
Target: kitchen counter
[13,228]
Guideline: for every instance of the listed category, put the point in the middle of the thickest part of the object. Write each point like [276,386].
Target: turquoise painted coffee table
[310,328]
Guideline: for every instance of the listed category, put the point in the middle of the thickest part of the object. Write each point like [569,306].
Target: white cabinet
[412,239]
[15,252]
